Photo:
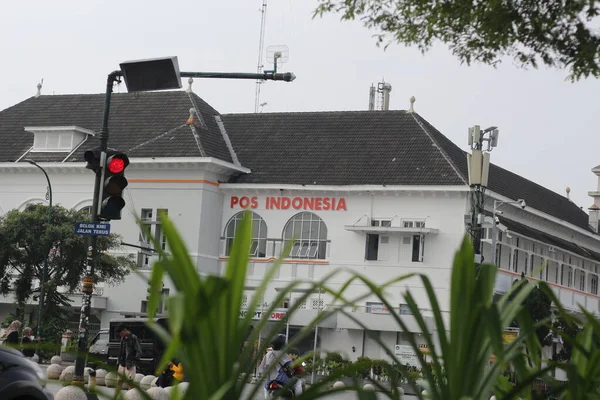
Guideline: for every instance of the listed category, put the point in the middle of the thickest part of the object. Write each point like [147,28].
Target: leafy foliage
[538,306]
[28,239]
[552,32]
[565,329]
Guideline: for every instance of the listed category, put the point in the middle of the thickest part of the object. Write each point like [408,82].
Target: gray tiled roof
[337,148]
[143,124]
[366,148]
[323,148]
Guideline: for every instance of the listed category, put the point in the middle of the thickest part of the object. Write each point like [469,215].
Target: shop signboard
[377,308]
[509,335]
[276,315]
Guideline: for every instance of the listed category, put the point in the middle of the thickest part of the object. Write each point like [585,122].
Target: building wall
[191,196]
[346,249]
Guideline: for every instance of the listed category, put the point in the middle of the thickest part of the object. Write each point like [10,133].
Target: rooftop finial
[190,81]
[568,190]
[39,89]
[412,104]
[193,119]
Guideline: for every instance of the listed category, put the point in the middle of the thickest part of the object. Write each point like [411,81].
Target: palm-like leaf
[205,329]
[460,365]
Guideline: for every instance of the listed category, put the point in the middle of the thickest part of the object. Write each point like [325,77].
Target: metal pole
[312,377]
[494,233]
[262,304]
[45,268]
[88,280]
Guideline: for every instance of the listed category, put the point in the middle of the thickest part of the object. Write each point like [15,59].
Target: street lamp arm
[271,76]
[47,179]
[45,268]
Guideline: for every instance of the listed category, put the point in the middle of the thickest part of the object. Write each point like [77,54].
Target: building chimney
[594,209]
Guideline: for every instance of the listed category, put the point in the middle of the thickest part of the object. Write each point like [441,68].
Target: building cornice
[207,163]
[236,187]
[545,216]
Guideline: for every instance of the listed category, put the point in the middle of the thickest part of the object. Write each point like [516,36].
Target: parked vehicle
[152,347]
[98,353]
[20,378]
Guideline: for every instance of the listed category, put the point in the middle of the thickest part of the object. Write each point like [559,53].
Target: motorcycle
[276,390]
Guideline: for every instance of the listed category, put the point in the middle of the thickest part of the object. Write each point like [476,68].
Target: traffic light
[114,183]
[92,157]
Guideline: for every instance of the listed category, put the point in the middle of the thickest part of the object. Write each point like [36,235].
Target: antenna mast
[261,46]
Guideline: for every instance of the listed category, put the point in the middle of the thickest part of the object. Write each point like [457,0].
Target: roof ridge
[198,113]
[439,148]
[315,112]
[155,138]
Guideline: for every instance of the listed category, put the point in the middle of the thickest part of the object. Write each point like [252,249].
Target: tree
[556,33]
[539,307]
[27,240]
[570,330]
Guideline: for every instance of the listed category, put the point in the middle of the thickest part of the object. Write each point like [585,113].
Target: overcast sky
[548,126]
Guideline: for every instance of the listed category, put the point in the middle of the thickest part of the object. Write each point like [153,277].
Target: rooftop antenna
[261,45]
[384,89]
[372,98]
[277,55]
[381,100]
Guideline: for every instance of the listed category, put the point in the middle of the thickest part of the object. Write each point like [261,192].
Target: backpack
[286,373]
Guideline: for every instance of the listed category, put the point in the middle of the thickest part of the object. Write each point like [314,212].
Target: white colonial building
[382,193]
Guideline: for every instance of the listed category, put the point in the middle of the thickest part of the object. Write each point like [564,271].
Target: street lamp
[479,168]
[45,268]
[497,203]
[139,76]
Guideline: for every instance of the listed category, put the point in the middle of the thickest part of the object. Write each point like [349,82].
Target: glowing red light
[116,165]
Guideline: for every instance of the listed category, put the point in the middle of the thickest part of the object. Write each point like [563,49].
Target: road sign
[92,228]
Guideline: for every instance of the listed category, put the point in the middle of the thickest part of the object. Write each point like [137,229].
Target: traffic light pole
[89,280]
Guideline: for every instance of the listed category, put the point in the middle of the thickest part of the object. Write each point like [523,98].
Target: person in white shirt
[271,357]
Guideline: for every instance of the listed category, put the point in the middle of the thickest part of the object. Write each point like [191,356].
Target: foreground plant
[460,365]
[205,330]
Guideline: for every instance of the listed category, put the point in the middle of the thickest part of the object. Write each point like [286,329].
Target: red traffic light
[116,165]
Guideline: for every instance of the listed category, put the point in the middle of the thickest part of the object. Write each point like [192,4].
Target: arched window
[258,246]
[310,235]
[86,210]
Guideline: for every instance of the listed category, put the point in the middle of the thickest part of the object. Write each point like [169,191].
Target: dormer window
[57,139]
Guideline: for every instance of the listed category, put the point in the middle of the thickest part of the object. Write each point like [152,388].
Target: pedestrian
[130,351]
[165,378]
[27,347]
[278,373]
[12,334]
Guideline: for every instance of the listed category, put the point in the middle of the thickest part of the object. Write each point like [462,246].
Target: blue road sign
[92,228]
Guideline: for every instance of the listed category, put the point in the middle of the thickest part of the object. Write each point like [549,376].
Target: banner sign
[406,355]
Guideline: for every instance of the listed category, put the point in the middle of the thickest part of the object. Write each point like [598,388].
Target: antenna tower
[261,45]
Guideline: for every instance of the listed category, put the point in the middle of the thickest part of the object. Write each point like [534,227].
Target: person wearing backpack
[282,373]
